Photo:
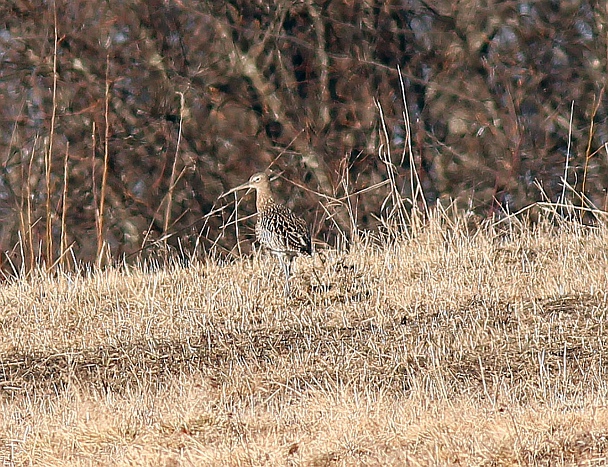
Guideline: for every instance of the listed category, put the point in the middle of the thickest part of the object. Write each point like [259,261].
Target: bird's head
[259,181]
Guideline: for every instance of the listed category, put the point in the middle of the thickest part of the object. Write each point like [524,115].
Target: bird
[277,228]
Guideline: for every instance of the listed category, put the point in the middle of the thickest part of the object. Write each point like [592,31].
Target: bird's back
[281,231]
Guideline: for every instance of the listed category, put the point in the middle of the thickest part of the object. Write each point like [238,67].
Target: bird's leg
[286,263]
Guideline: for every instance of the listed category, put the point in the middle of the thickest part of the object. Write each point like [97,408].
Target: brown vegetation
[448,347]
[294,86]
[439,339]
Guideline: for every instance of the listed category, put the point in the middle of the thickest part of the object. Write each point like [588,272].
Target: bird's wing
[281,230]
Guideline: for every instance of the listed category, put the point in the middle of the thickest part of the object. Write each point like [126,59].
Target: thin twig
[104,177]
[64,198]
[49,153]
[349,207]
[321,55]
[172,180]
[384,154]
[564,181]
[28,191]
[236,224]
[417,189]
[588,154]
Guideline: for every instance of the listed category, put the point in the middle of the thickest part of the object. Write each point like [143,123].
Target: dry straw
[454,342]
[484,345]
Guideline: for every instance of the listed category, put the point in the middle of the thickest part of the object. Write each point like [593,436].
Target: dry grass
[450,348]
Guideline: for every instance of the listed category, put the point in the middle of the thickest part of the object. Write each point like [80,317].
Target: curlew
[277,228]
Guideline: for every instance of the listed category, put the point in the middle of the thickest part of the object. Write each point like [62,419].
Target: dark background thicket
[290,85]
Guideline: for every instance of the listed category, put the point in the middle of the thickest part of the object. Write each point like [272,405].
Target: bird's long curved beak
[238,188]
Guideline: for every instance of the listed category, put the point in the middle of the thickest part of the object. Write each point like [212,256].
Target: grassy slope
[451,347]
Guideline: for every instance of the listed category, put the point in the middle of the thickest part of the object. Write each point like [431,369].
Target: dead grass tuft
[456,346]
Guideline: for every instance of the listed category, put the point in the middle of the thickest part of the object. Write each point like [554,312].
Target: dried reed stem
[588,154]
[93,170]
[172,181]
[567,165]
[322,57]
[384,154]
[64,198]
[104,176]
[49,153]
[415,184]
[28,192]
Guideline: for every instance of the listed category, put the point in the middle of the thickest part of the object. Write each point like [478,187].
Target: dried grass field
[450,346]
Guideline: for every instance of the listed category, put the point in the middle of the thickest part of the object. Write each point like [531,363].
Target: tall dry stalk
[28,192]
[28,255]
[323,59]
[562,199]
[588,153]
[172,181]
[94,171]
[236,224]
[23,226]
[384,154]
[415,184]
[64,197]
[49,153]
[104,176]
[352,215]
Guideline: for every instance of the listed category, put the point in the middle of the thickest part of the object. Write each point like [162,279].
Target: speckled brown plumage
[277,228]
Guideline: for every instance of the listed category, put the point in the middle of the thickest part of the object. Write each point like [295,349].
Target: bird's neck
[264,200]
